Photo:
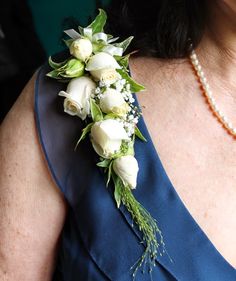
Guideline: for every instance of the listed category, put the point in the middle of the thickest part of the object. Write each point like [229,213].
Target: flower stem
[149,229]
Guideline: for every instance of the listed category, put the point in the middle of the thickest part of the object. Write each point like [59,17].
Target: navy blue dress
[98,241]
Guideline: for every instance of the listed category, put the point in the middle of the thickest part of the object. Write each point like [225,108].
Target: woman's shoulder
[29,199]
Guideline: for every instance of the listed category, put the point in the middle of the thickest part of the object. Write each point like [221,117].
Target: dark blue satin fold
[98,240]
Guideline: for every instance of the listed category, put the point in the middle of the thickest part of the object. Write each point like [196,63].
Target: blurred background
[31,31]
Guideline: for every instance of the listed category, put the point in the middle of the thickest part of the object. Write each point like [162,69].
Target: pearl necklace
[208,94]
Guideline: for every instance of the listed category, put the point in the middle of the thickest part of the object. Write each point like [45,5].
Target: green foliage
[111,116]
[68,42]
[134,86]
[99,22]
[139,134]
[127,148]
[109,173]
[147,226]
[95,111]
[97,47]
[70,68]
[118,189]
[85,131]
[123,61]
[104,163]
[124,44]
[56,65]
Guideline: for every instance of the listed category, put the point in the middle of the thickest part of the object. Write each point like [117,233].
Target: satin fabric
[99,241]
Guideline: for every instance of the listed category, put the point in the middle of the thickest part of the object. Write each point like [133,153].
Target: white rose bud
[77,96]
[106,75]
[107,136]
[81,49]
[126,167]
[112,101]
[102,66]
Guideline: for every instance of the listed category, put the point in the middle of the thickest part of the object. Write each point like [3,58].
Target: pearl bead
[208,93]
[225,119]
[199,68]
[221,114]
[229,125]
[194,56]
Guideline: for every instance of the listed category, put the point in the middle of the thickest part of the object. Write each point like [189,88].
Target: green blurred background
[50,16]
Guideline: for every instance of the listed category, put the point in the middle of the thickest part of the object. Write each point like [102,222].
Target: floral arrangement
[100,91]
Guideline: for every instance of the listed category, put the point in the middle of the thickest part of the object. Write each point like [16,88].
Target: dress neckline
[144,128]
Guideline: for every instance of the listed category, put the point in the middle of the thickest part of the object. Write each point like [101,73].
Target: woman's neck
[217,50]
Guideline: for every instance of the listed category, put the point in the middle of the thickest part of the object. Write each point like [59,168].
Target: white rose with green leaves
[77,96]
[102,67]
[126,167]
[81,49]
[107,137]
[112,101]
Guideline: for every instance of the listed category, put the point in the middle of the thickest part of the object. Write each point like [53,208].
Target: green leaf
[85,131]
[95,111]
[139,134]
[68,42]
[130,148]
[104,164]
[81,30]
[56,65]
[124,44]
[134,86]
[54,74]
[75,68]
[98,24]
[123,61]
[118,189]
[111,116]
[109,173]
[97,47]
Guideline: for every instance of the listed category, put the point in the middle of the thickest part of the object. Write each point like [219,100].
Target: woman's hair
[161,28]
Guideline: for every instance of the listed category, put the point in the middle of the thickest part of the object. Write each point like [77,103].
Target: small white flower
[97,90]
[131,117]
[77,95]
[112,101]
[107,136]
[131,99]
[101,84]
[118,85]
[81,49]
[123,81]
[127,87]
[126,167]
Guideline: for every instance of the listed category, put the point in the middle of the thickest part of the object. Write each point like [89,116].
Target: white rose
[126,167]
[106,75]
[112,101]
[107,136]
[102,66]
[102,60]
[77,96]
[81,49]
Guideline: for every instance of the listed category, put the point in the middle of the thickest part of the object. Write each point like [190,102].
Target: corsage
[100,92]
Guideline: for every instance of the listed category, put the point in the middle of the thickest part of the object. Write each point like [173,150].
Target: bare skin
[32,210]
[197,154]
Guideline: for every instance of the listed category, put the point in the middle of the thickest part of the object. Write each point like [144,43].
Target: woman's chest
[201,164]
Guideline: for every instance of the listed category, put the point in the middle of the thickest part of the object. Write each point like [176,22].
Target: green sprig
[146,223]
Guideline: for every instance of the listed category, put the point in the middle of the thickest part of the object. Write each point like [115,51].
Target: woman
[188,165]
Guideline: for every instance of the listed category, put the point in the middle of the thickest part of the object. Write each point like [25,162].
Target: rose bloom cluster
[111,93]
